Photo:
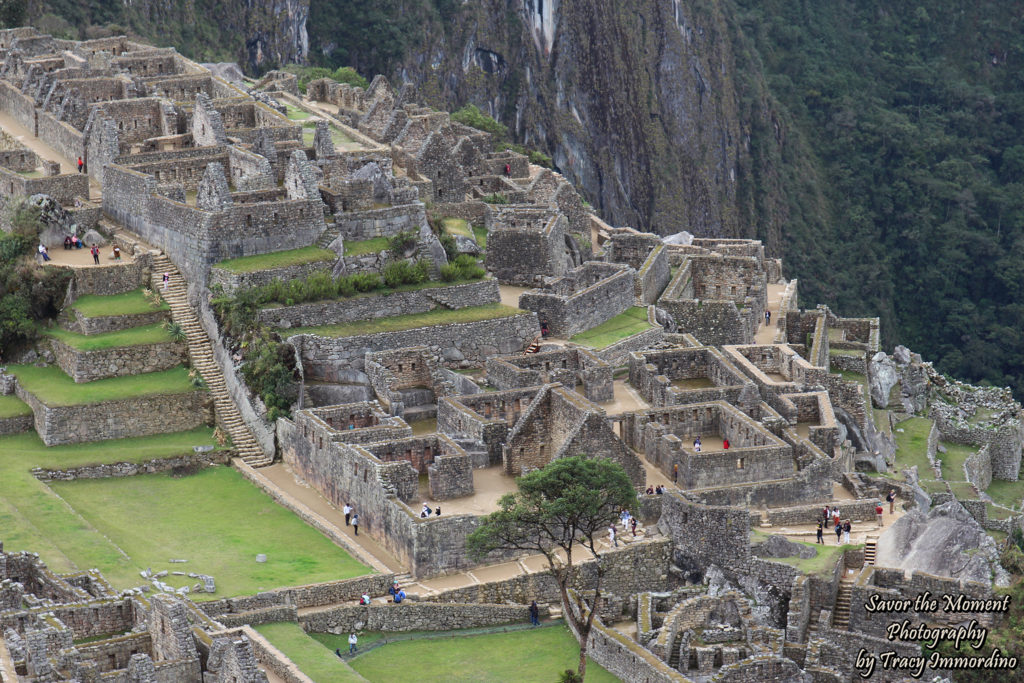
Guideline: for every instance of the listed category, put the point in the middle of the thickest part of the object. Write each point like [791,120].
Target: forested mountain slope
[876,146]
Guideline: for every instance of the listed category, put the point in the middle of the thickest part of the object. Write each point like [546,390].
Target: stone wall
[653,276]
[20,107]
[142,416]
[188,462]
[86,366]
[60,136]
[372,306]
[110,278]
[413,616]
[854,510]
[322,357]
[616,354]
[300,597]
[232,282]
[978,468]
[16,424]
[113,323]
[1004,439]
[524,243]
[385,222]
[63,188]
[586,297]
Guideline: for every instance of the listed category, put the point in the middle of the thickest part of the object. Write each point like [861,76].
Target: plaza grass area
[277,259]
[12,406]
[33,518]
[539,654]
[912,445]
[133,336]
[1006,493]
[821,564]
[626,324]
[129,303]
[439,316]
[314,659]
[363,247]
[216,520]
[54,388]
[953,460]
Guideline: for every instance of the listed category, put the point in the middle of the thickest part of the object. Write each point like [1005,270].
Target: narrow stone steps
[201,355]
[841,613]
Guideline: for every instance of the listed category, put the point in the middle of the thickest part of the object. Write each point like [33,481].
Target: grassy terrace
[626,324]
[953,460]
[129,303]
[822,564]
[370,246]
[12,406]
[54,388]
[844,352]
[1006,493]
[277,259]
[439,316]
[456,226]
[133,336]
[480,232]
[238,521]
[912,446]
[316,661]
[539,654]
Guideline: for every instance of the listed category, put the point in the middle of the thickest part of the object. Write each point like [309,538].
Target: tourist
[725,444]
[534,614]
[878,514]
[508,170]
[167,279]
[81,164]
[438,512]
[825,513]
[839,532]
[892,500]
[675,473]
[425,512]
[544,328]
[611,536]
[624,516]
[821,528]
[632,523]
[337,651]
[43,252]
[364,599]
[117,253]
[393,591]
[355,524]
[352,640]
[348,512]
[67,242]
[77,243]
[767,318]
[846,532]
[659,490]
[95,251]
[650,490]
[835,515]
[399,596]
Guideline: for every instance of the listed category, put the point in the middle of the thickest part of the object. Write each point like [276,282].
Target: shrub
[397,273]
[175,331]
[24,218]
[345,286]
[450,272]
[346,74]
[471,116]
[402,243]
[269,370]
[320,286]
[366,282]
[497,198]
[451,249]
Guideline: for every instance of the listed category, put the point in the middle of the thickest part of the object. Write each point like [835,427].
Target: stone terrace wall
[113,323]
[383,305]
[86,366]
[232,282]
[61,136]
[413,616]
[583,309]
[653,276]
[63,188]
[141,416]
[312,595]
[130,469]
[108,278]
[21,108]
[322,357]
[618,353]
[15,425]
[385,222]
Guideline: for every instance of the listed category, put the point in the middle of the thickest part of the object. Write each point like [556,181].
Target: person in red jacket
[725,444]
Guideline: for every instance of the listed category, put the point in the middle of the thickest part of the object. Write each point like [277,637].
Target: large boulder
[883,375]
[946,541]
[780,546]
[683,238]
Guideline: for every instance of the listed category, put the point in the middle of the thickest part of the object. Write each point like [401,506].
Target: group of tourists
[351,516]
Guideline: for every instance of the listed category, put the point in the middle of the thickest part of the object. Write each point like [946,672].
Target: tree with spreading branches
[559,511]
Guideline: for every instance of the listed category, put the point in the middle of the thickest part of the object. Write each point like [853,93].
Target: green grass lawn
[480,232]
[216,520]
[539,654]
[438,316]
[953,460]
[844,352]
[315,660]
[277,259]
[456,226]
[129,303]
[997,512]
[912,445]
[12,406]
[296,114]
[133,336]
[51,386]
[626,324]
[962,490]
[33,518]
[823,563]
[370,246]
[1006,493]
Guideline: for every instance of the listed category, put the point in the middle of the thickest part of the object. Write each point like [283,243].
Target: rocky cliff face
[275,33]
[638,103]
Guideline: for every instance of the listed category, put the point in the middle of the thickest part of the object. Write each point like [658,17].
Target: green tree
[557,510]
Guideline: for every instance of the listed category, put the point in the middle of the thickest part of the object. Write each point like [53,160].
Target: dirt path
[25,137]
[766,333]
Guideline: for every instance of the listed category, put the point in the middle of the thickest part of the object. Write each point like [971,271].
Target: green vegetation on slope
[626,324]
[129,303]
[912,446]
[51,386]
[277,259]
[216,520]
[133,336]
[368,246]
[12,406]
[539,654]
[912,118]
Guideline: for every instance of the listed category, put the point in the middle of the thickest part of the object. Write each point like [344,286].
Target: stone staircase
[534,346]
[328,236]
[870,548]
[201,354]
[841,614]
